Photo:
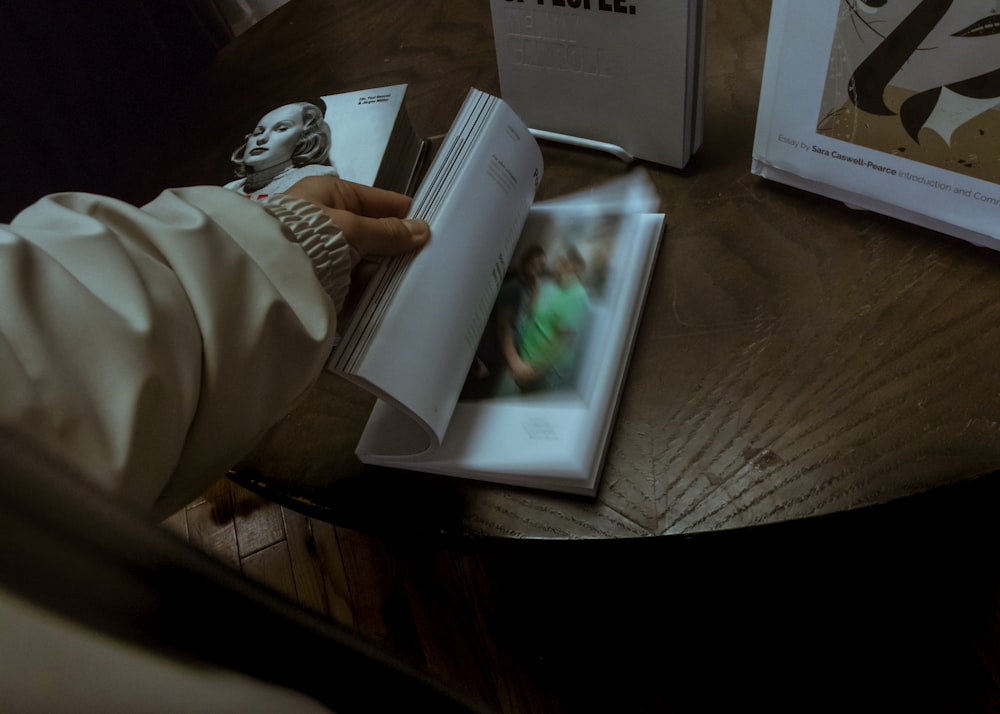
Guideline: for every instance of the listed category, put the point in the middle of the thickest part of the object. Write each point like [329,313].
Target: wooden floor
[425,604]
[892,610]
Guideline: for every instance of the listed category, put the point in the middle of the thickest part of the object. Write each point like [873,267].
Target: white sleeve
[54,664]
[152,346]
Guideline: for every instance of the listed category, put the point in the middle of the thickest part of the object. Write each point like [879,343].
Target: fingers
[376,202]
[374,236]
[371,218]
[334,192]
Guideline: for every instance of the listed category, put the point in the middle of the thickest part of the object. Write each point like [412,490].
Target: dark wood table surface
[796,357]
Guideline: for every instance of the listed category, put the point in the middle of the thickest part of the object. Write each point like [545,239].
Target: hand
[371,218]
[523,372]
[372,222]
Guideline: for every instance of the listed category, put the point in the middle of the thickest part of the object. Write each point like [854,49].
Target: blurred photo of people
[502,334]
[543,356]
[534,339]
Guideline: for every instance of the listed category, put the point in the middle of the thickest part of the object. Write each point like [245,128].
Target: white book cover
[887,106]
[620,73]
[361,127]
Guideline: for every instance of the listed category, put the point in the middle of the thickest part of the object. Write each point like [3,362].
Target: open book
[891,107]
[498,352]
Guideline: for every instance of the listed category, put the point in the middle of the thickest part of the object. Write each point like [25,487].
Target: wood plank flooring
[410,600]
[271,545]
[896,609]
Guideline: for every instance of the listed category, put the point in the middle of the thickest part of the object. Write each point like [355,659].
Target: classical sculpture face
[273,140]
[293,134]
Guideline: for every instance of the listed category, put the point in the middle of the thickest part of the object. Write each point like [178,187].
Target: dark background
[86,86]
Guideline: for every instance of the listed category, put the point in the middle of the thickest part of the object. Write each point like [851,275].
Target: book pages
[415,333]
[550,433]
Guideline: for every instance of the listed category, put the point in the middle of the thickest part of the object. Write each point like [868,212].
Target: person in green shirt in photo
[548,335]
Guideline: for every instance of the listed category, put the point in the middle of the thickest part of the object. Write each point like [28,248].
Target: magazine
[622,77]
[498,352]
[363,136]
[890,107]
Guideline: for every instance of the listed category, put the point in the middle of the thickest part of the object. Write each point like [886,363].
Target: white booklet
[498,352]
[887,106]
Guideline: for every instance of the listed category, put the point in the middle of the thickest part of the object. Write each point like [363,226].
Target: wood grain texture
[891,608]
[273,566]
[796,357]
[210,524]
[320,579]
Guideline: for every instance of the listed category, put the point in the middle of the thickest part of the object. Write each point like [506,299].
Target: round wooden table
[796,357]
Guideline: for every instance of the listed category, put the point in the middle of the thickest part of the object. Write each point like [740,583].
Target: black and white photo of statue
[287,144]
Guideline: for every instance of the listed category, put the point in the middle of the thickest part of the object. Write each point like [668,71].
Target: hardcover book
[363,136]
[624,76]
[498,351]
[890,107]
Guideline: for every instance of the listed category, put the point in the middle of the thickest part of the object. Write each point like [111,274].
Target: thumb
[381,236]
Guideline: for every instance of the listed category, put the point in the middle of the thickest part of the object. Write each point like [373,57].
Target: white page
[422,338]
[361,125]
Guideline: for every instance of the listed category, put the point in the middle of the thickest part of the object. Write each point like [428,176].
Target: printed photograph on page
[547,319]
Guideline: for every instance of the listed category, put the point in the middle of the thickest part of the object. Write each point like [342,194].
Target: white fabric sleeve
[52,664]
[152,345]
[322,240]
